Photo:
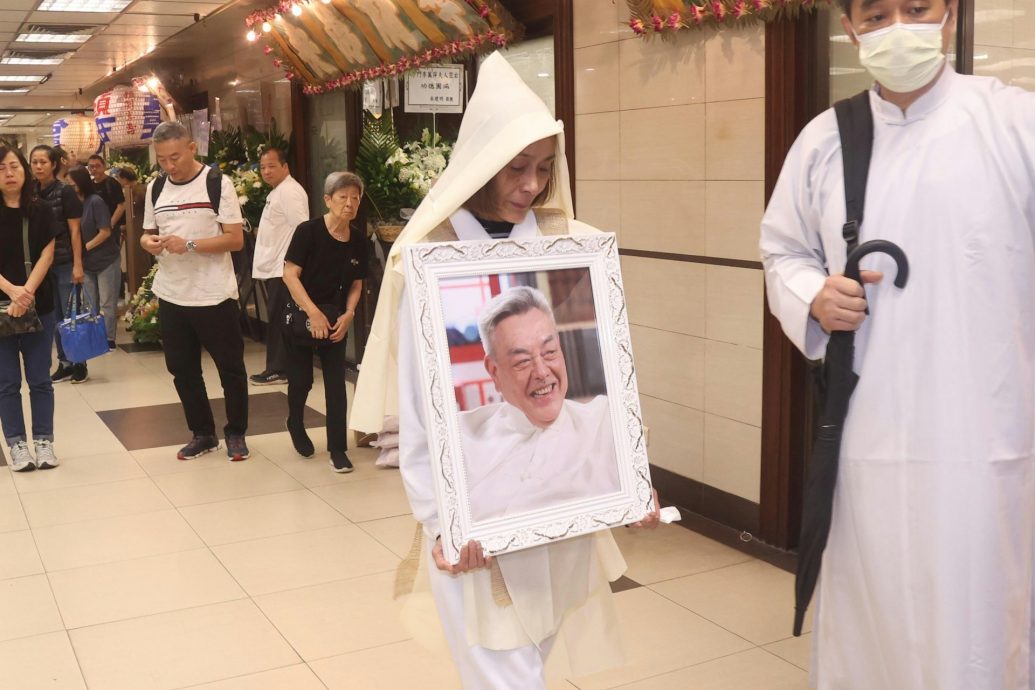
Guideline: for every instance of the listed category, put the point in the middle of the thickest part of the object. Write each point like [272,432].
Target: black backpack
[855,124]
[213,183]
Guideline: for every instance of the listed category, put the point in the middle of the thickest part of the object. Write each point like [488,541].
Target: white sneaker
[45,458]
[21,458]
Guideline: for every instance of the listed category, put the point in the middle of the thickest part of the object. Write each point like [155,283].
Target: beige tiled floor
[134,570]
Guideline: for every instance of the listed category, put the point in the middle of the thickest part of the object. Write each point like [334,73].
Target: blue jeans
[34,350]
[62,277]
[104,287]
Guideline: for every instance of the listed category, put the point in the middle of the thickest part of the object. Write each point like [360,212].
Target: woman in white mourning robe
[500,622]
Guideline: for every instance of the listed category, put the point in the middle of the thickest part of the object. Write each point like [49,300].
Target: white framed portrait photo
[531,406]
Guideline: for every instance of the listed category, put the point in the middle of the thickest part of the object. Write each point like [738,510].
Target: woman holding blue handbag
[26,315]
[100,250]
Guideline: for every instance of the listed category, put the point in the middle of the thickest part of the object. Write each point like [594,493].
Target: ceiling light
[13,90]
[31,61]
[296,10]
[250,36]
[267,27]
[21,77]
[52,38]
[235,82]
[83,5]
[327,2]
[153,82]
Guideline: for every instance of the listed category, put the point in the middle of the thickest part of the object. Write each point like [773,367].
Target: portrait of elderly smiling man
[537,448]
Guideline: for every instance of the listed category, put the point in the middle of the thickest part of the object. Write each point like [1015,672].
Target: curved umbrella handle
[884,247]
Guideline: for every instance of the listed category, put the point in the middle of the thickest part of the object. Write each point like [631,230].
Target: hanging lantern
[127,117]
[78,135]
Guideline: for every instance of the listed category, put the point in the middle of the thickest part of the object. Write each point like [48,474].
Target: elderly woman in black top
[21,212]
[324,270]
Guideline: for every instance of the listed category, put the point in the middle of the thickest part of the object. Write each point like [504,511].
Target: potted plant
[396,177]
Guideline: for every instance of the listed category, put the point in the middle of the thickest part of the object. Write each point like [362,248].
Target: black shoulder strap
[25,247]
[156,189]
[214,183]
[855,123]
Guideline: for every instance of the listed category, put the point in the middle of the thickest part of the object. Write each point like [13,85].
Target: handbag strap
[25,247]
[84,297]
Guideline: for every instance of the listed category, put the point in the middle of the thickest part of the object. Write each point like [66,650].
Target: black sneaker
[267,378]
[340,462]
[80,374]
[198,446]
[300,439]
[236,448]
[111,345]
[62,373]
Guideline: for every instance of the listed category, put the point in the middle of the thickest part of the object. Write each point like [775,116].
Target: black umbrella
[839,383]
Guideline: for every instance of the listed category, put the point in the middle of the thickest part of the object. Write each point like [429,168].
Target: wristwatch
[191,245]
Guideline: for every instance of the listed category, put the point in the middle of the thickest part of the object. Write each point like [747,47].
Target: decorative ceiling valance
[332,44]
[651,18]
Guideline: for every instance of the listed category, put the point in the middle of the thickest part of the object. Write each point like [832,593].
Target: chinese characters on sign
[435,89]
[126,117]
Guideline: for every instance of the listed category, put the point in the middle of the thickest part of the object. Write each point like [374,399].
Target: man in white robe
[926,581]
[536,449]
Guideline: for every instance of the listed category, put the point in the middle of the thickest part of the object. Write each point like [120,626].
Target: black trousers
[300,382]
[276,298]
[185,330]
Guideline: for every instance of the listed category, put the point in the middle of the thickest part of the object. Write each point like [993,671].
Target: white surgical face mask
[903,57]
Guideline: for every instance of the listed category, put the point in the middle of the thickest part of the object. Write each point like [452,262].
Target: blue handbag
[83,335]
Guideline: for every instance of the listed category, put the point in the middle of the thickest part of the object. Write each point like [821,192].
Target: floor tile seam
[706,618]
[119,561]
[245,675]
[21,506]
[78,661]
[783,659]
[19,490]
[194,607]
[76,486]
[676,670]
[367,649]
[271,536]
[133,513]
[693,574]
[380,541]
[322,583]
[277,536]
[242,597]
[263,493]
[92,521]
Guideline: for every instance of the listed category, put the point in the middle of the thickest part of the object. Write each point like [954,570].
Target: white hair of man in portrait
[536,449]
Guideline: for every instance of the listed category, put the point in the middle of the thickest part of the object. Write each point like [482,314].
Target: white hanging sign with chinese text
[435,89]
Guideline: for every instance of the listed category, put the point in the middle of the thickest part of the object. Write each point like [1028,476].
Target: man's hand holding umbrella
[841,304]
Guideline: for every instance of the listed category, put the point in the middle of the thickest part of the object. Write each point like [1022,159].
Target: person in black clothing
[325,265]
[66,210]
[109,189]
[20,211]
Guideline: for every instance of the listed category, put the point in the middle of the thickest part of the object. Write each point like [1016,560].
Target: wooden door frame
[792,98]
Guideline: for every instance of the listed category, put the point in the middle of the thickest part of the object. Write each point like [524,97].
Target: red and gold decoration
[664,18]
[334,44]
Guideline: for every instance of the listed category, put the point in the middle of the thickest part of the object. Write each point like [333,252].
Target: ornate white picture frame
[582,275]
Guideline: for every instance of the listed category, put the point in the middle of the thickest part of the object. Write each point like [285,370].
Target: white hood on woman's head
[503,117]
